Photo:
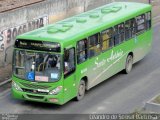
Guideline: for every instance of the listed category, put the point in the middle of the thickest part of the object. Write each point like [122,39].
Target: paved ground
[5,73]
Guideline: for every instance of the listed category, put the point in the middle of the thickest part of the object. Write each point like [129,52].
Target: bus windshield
[37,66]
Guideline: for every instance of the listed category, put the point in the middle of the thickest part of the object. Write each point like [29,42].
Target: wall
[18,21]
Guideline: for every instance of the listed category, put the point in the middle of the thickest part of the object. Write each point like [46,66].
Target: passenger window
[133,27]
[130,28]
[148,20]
[81,51]
[119,34]
[94,45]
[140,20]
[69,61]
[107,41]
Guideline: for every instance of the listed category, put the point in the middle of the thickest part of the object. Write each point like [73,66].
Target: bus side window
[140,20]
[94,45]
[148,20]
[69,61]
[130,28]
[81,51]
[107,41]
[119,34]
[133,27]
[127,29]
[115,36]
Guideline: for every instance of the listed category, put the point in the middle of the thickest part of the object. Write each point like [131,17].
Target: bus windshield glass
[37,66]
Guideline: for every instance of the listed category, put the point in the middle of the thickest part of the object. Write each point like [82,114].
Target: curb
[5,92]
[151,106]
[5,82]
[156,19]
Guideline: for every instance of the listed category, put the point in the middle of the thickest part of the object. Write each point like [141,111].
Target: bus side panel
[143,43]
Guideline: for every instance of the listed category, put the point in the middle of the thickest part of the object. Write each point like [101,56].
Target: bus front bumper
[54,99]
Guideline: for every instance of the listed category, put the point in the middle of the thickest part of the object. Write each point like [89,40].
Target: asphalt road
[119,94]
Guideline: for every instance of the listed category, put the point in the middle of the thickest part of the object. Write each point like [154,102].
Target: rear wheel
[129,64]
[81,90]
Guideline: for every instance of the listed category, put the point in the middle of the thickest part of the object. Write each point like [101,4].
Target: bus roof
[87,23]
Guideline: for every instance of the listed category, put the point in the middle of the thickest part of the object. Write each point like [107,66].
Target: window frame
[118,34]
[137,25]
[99,43]
[132,29]
[110,39]
[73,71]
[80,51]
[150,21]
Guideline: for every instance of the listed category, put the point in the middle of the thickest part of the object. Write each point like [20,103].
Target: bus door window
[81,51]
[140,20]
[107,41]
[69,61]
[148,20]
[94,45]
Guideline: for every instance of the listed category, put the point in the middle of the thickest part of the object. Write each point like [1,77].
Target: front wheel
[81,90]
[129,64]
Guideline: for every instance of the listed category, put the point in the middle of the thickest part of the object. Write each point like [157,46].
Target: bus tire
[128,64]
[81,90]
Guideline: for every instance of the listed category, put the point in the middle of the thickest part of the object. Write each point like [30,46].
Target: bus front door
[69,74]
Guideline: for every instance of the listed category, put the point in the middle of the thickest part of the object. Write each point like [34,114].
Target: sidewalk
[5,73]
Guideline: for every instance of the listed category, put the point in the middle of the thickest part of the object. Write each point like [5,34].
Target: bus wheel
[129,64]
[81,90]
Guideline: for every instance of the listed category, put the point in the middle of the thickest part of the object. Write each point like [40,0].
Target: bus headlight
[16,86]
[56,90]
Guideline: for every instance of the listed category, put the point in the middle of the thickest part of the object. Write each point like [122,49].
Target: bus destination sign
[38,45]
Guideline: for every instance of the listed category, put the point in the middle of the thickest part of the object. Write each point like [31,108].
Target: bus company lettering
[99,64]
[115,55]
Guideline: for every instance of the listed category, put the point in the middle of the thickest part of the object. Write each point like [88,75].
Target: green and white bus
[59,62]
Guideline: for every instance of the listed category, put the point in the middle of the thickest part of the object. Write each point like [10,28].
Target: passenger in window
[52,61]
[66,67]
[82,57]
[81,45]
[66,62]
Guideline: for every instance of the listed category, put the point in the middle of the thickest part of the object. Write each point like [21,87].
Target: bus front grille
[35,97]
[34,91]
[35,86]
